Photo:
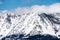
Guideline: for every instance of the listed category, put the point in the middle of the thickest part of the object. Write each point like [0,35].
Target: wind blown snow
[33,20]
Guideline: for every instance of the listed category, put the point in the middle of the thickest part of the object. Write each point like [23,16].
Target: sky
[11,4]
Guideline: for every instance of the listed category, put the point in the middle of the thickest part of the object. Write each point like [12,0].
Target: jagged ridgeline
[32,26]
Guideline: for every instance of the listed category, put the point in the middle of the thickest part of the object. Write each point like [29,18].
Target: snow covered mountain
[42,20]
[30,24]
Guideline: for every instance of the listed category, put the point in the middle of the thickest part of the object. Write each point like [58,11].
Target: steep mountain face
[30,24]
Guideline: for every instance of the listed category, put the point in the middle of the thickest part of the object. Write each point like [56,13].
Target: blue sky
[11,4]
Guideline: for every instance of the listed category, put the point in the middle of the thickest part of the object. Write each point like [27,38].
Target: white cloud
[53,8]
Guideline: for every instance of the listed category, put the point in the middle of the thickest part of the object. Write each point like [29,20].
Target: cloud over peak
[53,8]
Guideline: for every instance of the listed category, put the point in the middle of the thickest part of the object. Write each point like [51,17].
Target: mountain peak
[30,24]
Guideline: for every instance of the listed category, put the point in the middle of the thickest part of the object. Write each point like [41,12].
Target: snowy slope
[30,24]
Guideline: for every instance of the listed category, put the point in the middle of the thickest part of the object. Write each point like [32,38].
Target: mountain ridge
[30,23]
